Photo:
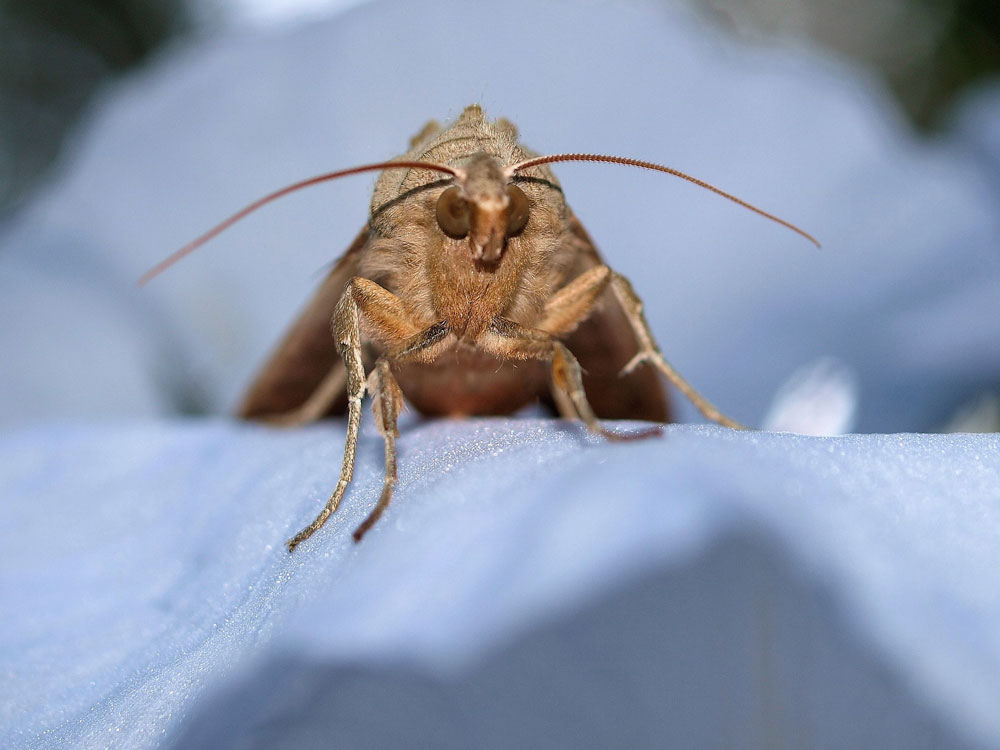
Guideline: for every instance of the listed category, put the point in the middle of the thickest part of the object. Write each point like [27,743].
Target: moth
[473,289]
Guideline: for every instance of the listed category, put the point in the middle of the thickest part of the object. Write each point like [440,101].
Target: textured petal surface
[909,226]
[528,582]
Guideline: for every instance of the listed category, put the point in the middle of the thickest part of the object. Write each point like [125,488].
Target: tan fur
[410,257]
[412,276]
[468,321]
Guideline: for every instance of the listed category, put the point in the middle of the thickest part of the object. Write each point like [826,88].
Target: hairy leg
[572,304]
[386,322]
[509,340]
[387,402]
[649,352]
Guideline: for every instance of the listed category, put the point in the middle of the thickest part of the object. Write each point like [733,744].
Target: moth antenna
[164,264]
[538,160]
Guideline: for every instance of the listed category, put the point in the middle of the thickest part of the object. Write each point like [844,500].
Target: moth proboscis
[470,250]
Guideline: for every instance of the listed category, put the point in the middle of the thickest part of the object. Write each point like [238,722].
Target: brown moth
[472,290]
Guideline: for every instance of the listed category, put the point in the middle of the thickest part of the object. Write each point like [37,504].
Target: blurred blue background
[872,125]
[56,53]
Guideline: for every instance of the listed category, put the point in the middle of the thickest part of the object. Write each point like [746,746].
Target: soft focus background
[56,53]
[61,62]
[530,586]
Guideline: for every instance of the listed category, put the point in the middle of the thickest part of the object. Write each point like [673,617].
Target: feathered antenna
[539,160]
[164,264]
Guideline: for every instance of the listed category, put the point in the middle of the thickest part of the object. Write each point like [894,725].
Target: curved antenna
[164,264]
[538,160]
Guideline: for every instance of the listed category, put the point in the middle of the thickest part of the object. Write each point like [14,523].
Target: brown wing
[604,343]
[307,353]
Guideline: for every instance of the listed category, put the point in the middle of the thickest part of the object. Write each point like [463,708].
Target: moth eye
[453,213]
[517,214]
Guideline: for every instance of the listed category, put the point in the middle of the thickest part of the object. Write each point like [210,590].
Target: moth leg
[319,401]
[386,322]
[507,339]
[564,311]
[649,352]
[563,404]
[387,402]
[572,304]
[347,331]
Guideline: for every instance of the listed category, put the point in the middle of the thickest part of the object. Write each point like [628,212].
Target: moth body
[463,282]
[467,281]
[472,289]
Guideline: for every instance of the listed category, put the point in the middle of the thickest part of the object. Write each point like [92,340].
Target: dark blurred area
[927,51]
[54,54]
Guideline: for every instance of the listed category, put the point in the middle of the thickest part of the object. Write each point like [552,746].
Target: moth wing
[308,352]
[604,343]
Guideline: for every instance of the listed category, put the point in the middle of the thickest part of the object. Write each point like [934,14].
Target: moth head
[483,207]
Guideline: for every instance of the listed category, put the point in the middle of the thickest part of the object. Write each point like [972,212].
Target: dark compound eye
[517,213]
[453,213]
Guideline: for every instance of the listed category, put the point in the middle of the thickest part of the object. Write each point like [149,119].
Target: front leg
[574,302]
[508,340]
[387,402]
[649,352]
[387,322]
